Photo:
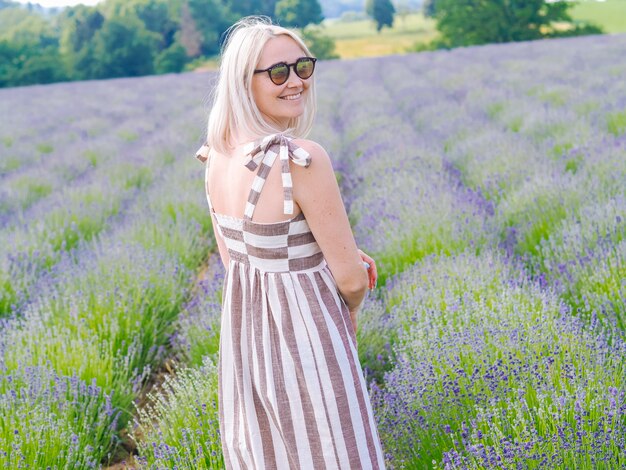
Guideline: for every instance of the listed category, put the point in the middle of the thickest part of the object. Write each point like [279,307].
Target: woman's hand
[372,273]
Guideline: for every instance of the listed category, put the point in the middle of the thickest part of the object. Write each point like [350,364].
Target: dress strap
[262,156]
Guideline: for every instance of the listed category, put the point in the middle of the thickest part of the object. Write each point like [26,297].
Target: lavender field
[489,183]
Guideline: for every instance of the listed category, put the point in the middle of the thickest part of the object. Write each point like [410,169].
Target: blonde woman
[291,389]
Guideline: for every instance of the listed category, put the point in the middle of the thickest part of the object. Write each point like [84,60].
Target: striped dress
[291,390]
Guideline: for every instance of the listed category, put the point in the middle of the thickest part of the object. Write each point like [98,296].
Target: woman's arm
[316,191]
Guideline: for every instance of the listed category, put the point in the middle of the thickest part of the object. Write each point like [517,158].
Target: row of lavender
[76,164]
[491,182]
[100,265]
[512,356]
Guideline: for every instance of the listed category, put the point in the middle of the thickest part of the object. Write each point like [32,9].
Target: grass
[616,123]
[610,14]
[360,38]
[45,148]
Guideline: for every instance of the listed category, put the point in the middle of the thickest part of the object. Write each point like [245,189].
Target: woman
[291,389]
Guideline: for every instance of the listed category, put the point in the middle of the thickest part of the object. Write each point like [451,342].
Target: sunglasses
[279,73]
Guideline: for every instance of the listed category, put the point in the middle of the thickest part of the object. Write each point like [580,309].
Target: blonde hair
[234,111]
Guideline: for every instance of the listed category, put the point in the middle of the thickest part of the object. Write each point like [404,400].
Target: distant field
[360,38]
[610,14]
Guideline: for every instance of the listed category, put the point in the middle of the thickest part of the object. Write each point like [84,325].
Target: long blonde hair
[234,111]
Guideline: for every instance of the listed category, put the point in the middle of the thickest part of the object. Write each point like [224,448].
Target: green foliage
[19,25]
[124,48]
[116,38]
[381,11]
[26,64]
[469,22]
[211,19]
[251,7]
[299,13]
[616,123]
[320,45]
[28,49]
[178,428]
[172,59]
[60,410]
[80,24]
[45,148]
[429,7]
[128,136]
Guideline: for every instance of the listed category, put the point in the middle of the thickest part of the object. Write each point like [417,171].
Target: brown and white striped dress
[291,390]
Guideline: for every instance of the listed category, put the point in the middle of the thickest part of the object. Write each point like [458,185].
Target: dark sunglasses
[279,73]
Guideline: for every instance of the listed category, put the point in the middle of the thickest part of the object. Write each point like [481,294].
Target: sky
[60,3]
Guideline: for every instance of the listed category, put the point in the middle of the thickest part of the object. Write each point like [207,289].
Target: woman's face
[279,103]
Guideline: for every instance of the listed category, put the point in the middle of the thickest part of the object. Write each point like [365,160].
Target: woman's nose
[294,80]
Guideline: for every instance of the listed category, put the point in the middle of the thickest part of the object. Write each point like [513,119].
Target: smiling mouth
[291,97]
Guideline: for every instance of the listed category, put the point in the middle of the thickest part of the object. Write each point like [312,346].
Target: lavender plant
[179,428]
[494,371]
[103,312]
[53,420]
[196,334]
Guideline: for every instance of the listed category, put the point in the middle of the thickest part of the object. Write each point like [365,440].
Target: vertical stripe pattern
[291,389]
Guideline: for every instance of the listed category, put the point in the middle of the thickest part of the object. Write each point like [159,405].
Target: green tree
[429,7]
[172,22]
[172,59]
[159,16]
[320,45]
[79,25]
[381,11]
[211,18]
[468,22]
[124,47]
[29,49]
[298,13]
[251,7]
[27,64]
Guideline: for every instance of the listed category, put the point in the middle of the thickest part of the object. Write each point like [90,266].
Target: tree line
[140,37]
[127,37]
[474,22]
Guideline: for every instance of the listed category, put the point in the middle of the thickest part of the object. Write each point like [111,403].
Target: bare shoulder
[315,185]
[320,160]
[310,146]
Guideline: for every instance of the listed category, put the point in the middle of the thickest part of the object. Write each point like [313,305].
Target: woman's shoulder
[313,148]
[319,170]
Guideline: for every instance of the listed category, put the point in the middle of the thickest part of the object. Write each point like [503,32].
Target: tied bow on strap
[266,151]
[203,153]
[286,149]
